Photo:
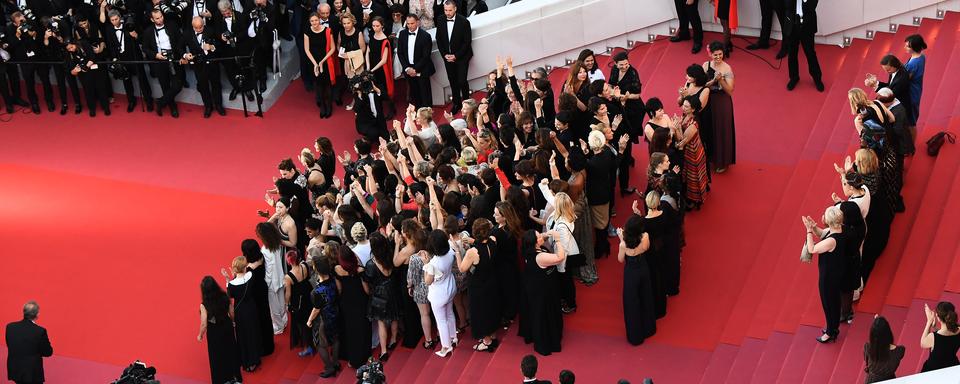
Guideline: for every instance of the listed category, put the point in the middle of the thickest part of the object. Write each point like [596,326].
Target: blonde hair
[597,140]
[425,113]
[599,127]
[346,14]
[564,207]
[239,264]
[358,232]
[833,216]
[307,157]
[866,160]
[468,156]
[857,98]
[653,200]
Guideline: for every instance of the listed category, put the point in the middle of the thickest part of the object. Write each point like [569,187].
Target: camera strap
[276,56]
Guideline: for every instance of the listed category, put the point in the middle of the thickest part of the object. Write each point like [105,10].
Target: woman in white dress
[272,250]
[561,220]
[442,286]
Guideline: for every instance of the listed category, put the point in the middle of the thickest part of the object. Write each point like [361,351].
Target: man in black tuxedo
[800,27]
[123,45]
[163,44]
[262,23]
[199,47]
[25,45]
[27,345]
[362,7]
[528,366]
[767,9]
[413,50]
[231,26]
[688,14]
[898,80]
[454,39]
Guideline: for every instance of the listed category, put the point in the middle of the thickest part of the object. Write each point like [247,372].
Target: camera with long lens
[25,27]
[362,82]
[53,25]
[119,71]
[259,14]
[371,373]
[116,4]
[27,13]
[129,22]
[136,373]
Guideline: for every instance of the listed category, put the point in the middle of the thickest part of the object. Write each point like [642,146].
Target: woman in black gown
[505,260]
[384,306]
[945,342]
[355,336]
[319,45]
[245,314]
[250,249]
[721,84]
[832,249]
[638,313]
[855,228]
[541,283]
[881,209]
[216,323]
[380,61]
[658,227]
[484,306]
[297,289]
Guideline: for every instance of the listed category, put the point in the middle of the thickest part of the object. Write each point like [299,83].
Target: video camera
[362,82]
[136,373]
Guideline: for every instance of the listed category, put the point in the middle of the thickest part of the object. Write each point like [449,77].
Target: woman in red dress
[380,62]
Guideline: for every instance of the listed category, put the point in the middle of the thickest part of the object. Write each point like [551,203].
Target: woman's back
[944,352]
[884,369]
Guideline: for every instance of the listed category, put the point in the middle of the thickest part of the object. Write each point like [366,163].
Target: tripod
[247,83]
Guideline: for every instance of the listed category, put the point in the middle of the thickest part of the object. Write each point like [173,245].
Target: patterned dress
[694,163]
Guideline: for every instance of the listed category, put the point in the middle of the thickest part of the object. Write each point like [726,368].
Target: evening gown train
[638,310]
[658,228]
[259,290]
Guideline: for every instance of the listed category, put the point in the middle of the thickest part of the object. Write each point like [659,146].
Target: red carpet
[110,223]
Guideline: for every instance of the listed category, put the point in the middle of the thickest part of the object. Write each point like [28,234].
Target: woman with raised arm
[831,248]
[482,278]
[721,83]
[638,313]
[540,277]
[694,159]
[945,341]
[244,313]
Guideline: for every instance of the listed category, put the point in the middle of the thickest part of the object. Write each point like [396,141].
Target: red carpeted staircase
[748,311]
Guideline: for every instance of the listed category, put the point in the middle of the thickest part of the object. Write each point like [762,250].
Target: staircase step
[718,368]
[770,362]
[458,361]
[850,362]
[798,356]
[745,364]
[910,336]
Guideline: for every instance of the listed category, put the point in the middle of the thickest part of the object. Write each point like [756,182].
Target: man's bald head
[31,310]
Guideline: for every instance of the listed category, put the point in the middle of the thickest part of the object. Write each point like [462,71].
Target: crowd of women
[857,226]
[450,231]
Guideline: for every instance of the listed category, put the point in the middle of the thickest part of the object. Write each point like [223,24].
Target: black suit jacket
[460,41]
[190,44]
[27,345]
[900,85]
[422,47]
[238,25]
[377,9]
[150,48]
[805,25]
[264,30]
[131,47]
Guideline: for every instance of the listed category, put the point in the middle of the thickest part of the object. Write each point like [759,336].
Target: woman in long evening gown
[724,133]
[694,159]
[355,330]
[482,278]
[831,263]
[638,313]
[297,289]
[258,290]
[541,282]
[216,324]
[245,314]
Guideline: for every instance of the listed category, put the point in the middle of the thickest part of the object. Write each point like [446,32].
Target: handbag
[936,142]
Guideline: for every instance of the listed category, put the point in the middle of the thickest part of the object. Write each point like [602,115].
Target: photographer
[55,50]
[82,60]
[231,26]
[260,30]
[368,106]
[162,44]
[25,47]
[198,50]
[121,38]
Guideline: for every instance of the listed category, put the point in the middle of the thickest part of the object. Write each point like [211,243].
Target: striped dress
[694,164]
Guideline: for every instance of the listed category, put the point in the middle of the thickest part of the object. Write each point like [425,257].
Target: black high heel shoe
[829,339]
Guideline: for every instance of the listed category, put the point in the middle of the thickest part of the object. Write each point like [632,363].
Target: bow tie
[451,20]
[198,33]
[118,29]
[160,28]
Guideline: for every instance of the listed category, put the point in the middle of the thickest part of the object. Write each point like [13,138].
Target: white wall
[546,32]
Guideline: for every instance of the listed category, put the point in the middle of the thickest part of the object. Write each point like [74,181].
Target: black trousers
[262,59]
[208,84]
[457,75]
[30,72]
[830,294]
[767,9]
[568,291]
[64,80]
[5,85]
[794,42]
[96,89]
[420,93]
[141,75]
[13,73]
[689,15]
[168,75]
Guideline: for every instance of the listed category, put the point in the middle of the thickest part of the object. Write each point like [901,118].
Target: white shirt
[800,9]
[596,75]
[242,279]
[444,285]
[450,31]
[200,41]
[237,6]
[163,38]
[363,252]
[273,266]
[411,42]
[198,8]
[120,36]
[229,21]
